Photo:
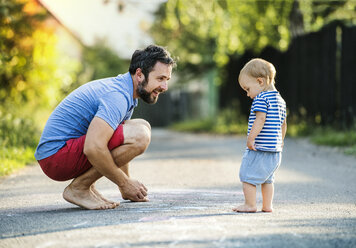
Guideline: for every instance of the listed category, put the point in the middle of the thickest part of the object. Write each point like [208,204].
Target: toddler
[266,131]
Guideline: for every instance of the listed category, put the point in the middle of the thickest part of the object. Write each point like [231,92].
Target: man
[90,134]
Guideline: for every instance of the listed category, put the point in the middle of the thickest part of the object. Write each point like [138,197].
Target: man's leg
[137,137]
[82,192]
[125,169]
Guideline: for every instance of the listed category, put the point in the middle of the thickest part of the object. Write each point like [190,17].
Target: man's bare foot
[85,199]
[123,195]
[101,197]
[245,209]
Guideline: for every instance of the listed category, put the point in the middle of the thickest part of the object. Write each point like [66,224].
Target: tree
[32,71]
[317,13]
[98,61]
[16,45]
[207,34]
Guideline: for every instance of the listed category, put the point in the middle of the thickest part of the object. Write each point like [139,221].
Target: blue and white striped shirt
[270,137]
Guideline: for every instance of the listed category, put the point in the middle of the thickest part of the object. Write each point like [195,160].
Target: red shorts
[70,161]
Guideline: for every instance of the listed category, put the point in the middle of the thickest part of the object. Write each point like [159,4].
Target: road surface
[193,185]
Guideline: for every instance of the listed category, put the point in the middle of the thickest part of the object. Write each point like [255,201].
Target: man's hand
[133,190]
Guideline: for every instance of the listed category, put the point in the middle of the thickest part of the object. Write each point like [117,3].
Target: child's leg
[250,199]
[267,196]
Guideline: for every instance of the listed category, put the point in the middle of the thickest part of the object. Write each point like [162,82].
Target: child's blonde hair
[259,68]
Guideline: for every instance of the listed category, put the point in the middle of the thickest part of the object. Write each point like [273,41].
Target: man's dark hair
[146,59]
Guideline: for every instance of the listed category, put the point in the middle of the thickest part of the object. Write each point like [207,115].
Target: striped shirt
[270,137]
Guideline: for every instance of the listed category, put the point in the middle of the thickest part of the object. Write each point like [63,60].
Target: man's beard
[144,94]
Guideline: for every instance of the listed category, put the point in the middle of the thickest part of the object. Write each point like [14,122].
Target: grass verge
[18,139]
[14,158]
[209,126]
[336,138]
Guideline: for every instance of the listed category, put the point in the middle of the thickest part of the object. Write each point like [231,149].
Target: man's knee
[138,133]
[143,137]
[142,122]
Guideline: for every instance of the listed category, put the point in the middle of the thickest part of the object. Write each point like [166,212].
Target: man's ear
[139,75]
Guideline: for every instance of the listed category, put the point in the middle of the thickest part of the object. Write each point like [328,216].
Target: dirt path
[193,184]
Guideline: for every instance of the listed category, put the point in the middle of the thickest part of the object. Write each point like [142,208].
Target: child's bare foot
[245,209]
[267,210]
[85,199]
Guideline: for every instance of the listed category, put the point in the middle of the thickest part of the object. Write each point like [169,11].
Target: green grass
[14,158]
[195,126]
[209,126]
[228,121]
[330,137]
[336,138]
[351,150]
[18,139]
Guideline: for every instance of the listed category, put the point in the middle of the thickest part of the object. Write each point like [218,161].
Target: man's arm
[256,129]
[95,148]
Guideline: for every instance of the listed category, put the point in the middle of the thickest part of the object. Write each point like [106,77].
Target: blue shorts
[258,167]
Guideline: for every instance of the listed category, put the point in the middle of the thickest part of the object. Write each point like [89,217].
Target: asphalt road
[193,185]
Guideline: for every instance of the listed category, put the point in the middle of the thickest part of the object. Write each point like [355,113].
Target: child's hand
[251,144]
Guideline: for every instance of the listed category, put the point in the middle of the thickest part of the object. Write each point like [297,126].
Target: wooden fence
[316,76]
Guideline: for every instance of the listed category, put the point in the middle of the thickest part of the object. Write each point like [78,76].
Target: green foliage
[103,61]
[332,137]
[328,136]
[17,131]
[229,121]
[298,126]
[18,139]
[98,61]
[32,72]
[51,71]
[206,33]
[210,126]
[317,14]
[351,150]
[14,158]
[16,46]
[196,126]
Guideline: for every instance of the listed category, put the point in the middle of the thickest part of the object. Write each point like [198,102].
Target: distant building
[121,24]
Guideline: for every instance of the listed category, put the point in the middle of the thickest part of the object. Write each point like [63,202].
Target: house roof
[123,29]
[56,20]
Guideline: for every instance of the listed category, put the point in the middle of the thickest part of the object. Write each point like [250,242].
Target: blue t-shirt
[270,137]
[110,99]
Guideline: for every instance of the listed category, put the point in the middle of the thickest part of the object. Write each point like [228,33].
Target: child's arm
[284,128]
[256,129]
